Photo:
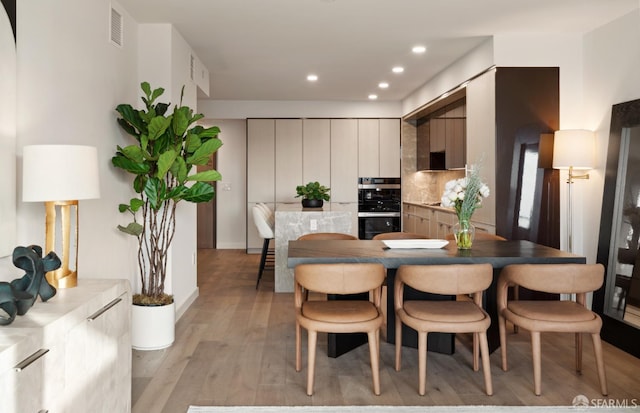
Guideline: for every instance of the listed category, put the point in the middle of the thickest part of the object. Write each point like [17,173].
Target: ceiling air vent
[115,27]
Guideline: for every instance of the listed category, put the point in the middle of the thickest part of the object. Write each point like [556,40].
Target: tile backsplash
[426,187]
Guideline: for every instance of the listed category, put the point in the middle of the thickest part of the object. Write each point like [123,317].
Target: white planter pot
[152,327]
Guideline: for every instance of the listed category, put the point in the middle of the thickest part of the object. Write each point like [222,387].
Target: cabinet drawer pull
[43,411]
[103,310]
[32,358]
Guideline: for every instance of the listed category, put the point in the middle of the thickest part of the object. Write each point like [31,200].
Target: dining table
[495,252]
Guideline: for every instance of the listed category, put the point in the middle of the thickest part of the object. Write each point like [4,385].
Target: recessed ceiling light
[312,78]
[373,97]
[398,69]
[383,85]
[419,49]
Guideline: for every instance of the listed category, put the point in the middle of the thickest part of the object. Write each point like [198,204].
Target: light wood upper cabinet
[390,148]
[316,151]
[260,160]
[379,148]
[344,163]
[368,147]
[481,138]
[288,158]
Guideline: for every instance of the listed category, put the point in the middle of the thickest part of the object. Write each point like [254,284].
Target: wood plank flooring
[235,346]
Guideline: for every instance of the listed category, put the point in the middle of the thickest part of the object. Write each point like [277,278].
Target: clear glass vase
[464,231]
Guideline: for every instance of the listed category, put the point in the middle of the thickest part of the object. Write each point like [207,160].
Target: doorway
[207,212]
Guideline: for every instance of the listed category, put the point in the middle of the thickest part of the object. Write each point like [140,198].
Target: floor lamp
[59,176]
[573,150]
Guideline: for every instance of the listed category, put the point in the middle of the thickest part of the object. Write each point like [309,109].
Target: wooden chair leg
[298,349]
[502,326]
[578,339]
[537,362]
[311,364]
[398,343]
[374,351]
[476,345]
[516,296]
[602,376]
[422,362]
[486,363]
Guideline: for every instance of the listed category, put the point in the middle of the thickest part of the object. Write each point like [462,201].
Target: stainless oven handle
[378,214]
[379,186]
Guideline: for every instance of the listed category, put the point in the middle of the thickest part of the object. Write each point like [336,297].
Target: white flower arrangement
[465,195]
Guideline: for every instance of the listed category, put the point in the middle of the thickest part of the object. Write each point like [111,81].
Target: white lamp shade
[59,173]
[573,148]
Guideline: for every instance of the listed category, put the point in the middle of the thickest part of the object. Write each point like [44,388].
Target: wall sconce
[573,150]
[60,175]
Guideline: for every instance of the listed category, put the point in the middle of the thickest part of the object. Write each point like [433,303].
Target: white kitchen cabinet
[369,147]
[379,148]
[261,160]
[390,148]
[288,158]
[481,138]
[74,352]
[344,163]
[316,151]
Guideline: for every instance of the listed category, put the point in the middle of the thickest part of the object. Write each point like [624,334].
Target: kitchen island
[293,221]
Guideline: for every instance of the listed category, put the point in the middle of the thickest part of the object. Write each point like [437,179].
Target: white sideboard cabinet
[70,354]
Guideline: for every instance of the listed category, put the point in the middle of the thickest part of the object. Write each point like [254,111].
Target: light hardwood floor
[235,346]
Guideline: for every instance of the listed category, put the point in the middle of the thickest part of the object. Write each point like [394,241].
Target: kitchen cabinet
[316,151]
[390,148]
[285,153]
[261,134]
[419,219]
[344,165]
[74,352]
[379,148]
[441,137]
[288,159]
[368,148]
[444,222]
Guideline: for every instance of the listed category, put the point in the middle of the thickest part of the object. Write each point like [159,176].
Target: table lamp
[573,150]
[60,175]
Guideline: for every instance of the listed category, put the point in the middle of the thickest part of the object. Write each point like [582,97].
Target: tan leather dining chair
[326,236]
[552,316]
[444,316]
[338,316]
[399,235]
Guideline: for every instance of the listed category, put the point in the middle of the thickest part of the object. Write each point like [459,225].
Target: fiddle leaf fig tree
[167,147]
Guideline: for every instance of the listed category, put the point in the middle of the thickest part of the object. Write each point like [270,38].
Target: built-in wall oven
[379,201]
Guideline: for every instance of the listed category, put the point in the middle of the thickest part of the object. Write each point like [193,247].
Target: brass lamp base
[63,277]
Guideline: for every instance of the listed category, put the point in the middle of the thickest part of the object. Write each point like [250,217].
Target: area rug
[394,409]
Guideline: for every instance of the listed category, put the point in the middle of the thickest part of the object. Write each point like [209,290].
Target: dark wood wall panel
[527,106]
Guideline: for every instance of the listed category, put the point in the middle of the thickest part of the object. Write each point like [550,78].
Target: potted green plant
[168,145]
[313,194]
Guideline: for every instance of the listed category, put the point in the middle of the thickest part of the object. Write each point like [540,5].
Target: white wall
[68,86]
[611,75]
[70,79]
[7,137]
[473,63]
[231,203]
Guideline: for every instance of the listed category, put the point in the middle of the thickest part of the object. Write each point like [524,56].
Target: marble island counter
[292,221]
